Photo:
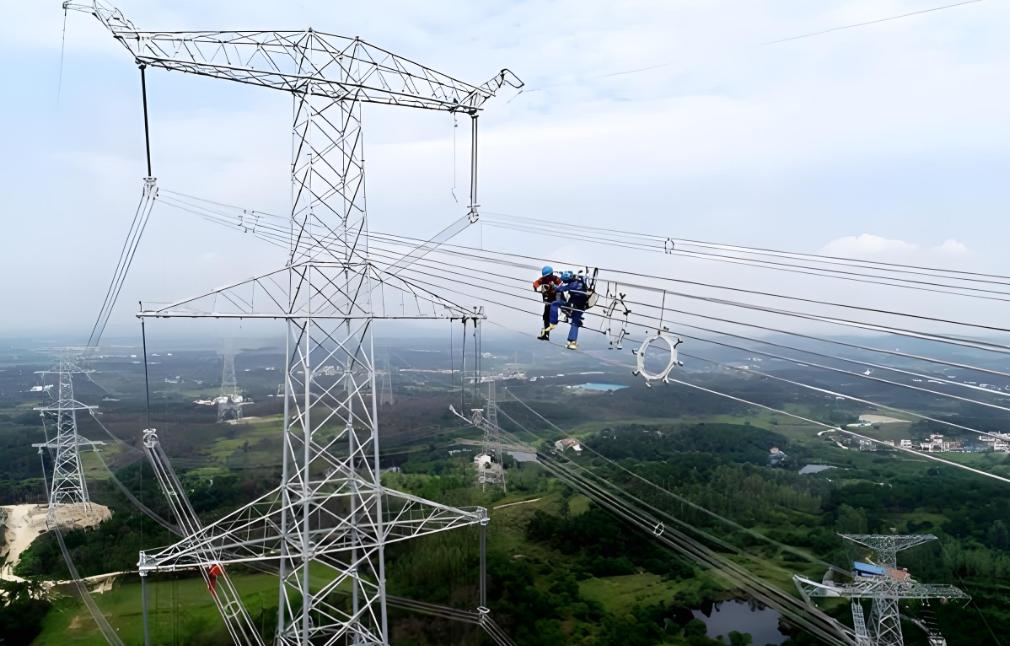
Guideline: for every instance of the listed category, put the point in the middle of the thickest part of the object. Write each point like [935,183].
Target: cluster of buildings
[936,443]
[568,443]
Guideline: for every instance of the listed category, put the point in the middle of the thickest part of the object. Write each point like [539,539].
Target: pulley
[662,336]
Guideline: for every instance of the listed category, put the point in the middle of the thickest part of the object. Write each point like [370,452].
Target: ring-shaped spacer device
[658,529]
[663,375]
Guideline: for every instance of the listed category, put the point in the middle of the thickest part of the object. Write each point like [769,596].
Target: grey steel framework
[68,485]
[327,523]
[884,591]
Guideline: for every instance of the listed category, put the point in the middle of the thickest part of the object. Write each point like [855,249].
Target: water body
[742,616]
[815,468]
[522,456]
[600,388]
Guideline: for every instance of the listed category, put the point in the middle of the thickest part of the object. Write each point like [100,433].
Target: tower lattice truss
[67,484]
[883,585]
[326,524]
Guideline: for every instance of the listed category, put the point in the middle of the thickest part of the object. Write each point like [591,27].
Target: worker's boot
[544,336]
[572,345]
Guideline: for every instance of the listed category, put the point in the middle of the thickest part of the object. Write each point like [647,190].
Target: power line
[663,241]
[802,418]
[881,328]
[678,498]
[906,332]
[869,22]
[658,66]
[670,248]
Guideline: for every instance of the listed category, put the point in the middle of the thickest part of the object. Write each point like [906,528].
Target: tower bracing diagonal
[328,521]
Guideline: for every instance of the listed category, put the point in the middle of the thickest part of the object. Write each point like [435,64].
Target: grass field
[69,623]
[621,593]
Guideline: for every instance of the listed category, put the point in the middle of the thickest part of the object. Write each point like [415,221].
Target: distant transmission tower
[491,444]
[488,463]
[881,582]
[229,402]
[68,485]
[329,520]
[386,390]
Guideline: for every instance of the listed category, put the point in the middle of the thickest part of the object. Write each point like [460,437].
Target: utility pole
[327,523]
[884,585]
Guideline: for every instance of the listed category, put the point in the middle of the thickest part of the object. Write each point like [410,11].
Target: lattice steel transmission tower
[329,520]
[882,583]
[488,463]
[386,388]
[68,485]
[230,401]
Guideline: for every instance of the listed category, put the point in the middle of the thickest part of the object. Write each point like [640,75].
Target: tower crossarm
[63,405]
[886,546]
[303,62]
[81,443]
[883,588]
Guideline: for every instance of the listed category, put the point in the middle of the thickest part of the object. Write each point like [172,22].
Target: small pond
[600,388]
[723,617]
[815,468]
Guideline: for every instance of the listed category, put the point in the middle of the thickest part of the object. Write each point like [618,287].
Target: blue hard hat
[547,270]
[566,275]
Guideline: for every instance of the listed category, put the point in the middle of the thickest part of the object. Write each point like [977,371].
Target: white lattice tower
[885,615]
[492,439]
[329,520]
[488,463]
[884,591]
[386,389]
[229,401]
[68,485]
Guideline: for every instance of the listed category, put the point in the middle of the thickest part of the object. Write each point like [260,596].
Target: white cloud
[875,247]
[952,247]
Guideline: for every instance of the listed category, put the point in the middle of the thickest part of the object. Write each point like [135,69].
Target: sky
[890,141]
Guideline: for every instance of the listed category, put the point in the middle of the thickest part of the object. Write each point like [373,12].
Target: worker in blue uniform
[574,285]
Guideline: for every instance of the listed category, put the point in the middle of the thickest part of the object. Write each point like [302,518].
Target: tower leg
[885,618]
[143,607]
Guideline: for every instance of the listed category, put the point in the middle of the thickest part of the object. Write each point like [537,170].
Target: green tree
[737,638]
[694,628]
[997,535]
[851,520]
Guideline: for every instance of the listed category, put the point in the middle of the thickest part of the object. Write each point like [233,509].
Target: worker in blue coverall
[578,299]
